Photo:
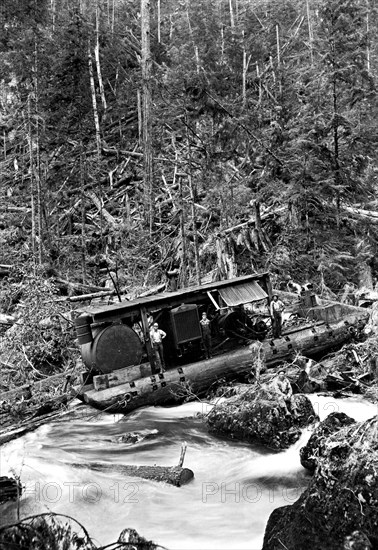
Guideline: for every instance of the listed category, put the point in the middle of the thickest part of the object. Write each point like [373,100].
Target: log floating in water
[174,475]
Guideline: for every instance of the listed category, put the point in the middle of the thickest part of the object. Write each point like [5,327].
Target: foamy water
[235,488]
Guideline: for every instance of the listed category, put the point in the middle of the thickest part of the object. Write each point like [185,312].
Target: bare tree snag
[97,58]
[147,102]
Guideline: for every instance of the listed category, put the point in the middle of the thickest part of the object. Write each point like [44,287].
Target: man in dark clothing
[206,334]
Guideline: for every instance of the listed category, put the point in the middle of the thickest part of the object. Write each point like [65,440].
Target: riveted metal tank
[114,347]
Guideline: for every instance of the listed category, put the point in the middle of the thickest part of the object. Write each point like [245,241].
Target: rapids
[235,488]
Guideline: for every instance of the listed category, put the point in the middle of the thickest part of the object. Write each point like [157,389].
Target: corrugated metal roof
[242,294]
[163,300]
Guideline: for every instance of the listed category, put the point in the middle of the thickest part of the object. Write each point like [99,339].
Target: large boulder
[338,510]
[255,416]
[317,443]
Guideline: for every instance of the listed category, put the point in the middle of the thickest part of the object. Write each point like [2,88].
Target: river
[235,488]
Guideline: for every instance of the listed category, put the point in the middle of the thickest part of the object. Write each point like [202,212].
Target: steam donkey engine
[114,345]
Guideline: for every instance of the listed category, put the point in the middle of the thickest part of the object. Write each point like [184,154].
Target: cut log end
[186,475]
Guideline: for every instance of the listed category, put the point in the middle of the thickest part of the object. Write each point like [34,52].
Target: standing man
[276,309]
[172,277]
[157,337]
[206,334]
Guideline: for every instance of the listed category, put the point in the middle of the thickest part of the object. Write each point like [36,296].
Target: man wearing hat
[276,309]
[284,393]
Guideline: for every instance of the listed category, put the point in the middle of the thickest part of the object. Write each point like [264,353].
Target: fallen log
[361,214]
[174,475]
[84,297]
[27,390]
[76,287]
[176,384]
[7,319]
[26,426]
[5,269]
[6,208]
[108,217]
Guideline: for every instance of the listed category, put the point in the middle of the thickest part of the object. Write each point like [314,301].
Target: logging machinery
[117,336]
[122,368]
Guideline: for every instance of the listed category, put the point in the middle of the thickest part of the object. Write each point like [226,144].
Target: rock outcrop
[339,509]
[317,443]
[255,416]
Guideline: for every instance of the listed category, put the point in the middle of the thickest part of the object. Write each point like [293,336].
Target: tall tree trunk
[196,54]
[246,60]
[82,204]
[94,103]
[193,208]
[98,65]
[232,18]
[53,13]
[97,129]
[159,21]
[184,260]
[32,188]
[310,35]
[38,158]
[337,178]
[368,36]
[147,126]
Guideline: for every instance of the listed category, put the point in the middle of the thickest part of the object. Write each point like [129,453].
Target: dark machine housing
[117,336]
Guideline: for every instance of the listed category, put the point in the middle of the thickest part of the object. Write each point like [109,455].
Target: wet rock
[305,384]
[130,540]
[313,449]
[338,510]
[10,489]
[136,437]
[255,416]
[357,541]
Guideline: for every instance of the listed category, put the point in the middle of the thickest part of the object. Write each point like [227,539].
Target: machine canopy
[242,294]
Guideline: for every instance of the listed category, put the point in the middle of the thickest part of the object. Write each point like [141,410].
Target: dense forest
[213,136]
[206,139]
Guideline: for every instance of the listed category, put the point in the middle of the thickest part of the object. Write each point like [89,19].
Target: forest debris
[74,287]
[26,426]
[7,319]
[108,217]
[84,297]
[360,213]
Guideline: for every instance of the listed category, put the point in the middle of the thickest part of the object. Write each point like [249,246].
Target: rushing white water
[226,506]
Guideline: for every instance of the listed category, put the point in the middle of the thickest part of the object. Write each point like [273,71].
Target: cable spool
[83,329]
